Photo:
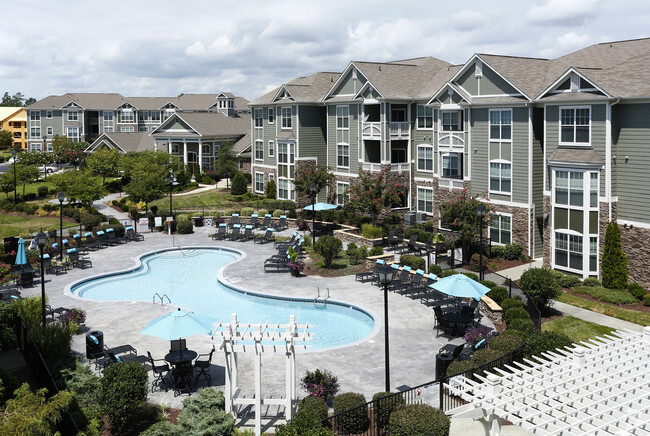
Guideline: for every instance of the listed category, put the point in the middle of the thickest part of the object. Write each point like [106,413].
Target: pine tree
[239,184]
[614,263]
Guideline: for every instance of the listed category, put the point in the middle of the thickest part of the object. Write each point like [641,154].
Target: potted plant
[296,267]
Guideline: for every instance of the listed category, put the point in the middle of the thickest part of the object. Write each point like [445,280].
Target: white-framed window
[425,117]
[286,170]
[143,128]
[205,149]
[568,251]
[143,116]
[285,115]
[50,130]
[500,229]
[451,121]
[258,117]
[35,132]
[342,117]
[127,129]
[73,115]
[452,165]
[154,117]
[126,115]
[259,182]
[35,146]
[35,117]
[343,155]
[73,133]
[271,117]
[342,193]
[175,149]
[425,158]
[108,129]
[168,111]
[49,115]
[575,125]
[500,125]
[500,177]
[569,189]
[271,149]
[259,149]
[283,189]
[108,121]
[271,177]
[425,199]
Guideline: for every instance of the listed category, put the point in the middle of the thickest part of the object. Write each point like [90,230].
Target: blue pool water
[189,278]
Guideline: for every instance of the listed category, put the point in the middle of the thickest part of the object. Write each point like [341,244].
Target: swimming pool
[189,278]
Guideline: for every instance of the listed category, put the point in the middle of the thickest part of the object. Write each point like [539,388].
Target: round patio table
[176,357]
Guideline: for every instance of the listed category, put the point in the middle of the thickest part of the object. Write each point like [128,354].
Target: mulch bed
[638,307]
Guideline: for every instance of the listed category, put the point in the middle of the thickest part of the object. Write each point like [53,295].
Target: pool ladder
[320,300]
[161,298]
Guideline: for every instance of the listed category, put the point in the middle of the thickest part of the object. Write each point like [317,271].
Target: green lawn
[641,318]
[211,199]
[577,329]
[14,225]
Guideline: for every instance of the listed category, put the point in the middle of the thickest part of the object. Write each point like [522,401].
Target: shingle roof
[575,155]
[211,124]
[309,89]
[526,74]
[133,141]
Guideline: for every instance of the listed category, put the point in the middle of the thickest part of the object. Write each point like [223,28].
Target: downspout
[608,159]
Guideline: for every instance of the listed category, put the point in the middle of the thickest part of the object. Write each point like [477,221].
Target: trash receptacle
[443,360]
[94,344]
[198,222]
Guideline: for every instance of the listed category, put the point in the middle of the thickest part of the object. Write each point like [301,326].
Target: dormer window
[574,123]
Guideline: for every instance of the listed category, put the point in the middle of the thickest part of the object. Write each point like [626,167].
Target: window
[258,117]
[143,116]
[205,149]
[451,166]
[259,182]
[73,133]
[342,193]
[574,125]
[568,188]
[500,177]
[175,149]
[127,116]
[500,125]
[127,129]
[425,117]
[425,200]
[425,158]
[451,121]
[286,168]
[593,190]
[286,117]
[342,117]
[568,250]
[50,130]
[108,121]
[73,115]
[259,149]
[271,118]
[35,132]
[283,189]
[35,146]
[593,254]
[35,116]
[343,155]
[155,117]
[271,177]
[49,115]
[271,149]
[500,229]
[108,129]
[143,128]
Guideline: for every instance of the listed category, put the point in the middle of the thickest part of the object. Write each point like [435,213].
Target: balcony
[451,183]
[400,130]
[451,138]
[372,167]
[400,167]
[371,130]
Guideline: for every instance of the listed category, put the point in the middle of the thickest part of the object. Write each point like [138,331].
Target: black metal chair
[178,345]
[456,351]
[443,323]
[202,367]
[160,372]
[182,374]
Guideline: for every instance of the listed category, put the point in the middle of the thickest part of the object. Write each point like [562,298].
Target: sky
[142,48]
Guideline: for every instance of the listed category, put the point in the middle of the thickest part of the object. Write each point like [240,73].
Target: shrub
[383,405]
[449,272]
[371,231]
[509,303]
[505,344]
[485,355]
[607,295]
[460,366]
[474,335]
[376,251]
[591,282]
[271,190]
[471,275]
[313,406]
[320,383]
[239,185]
[357,254]
[497,251]
[276,213]
[498,294]
[522,325]
[90,221]
[515,313]
[204,413]
[541,285]
[513,252]
[419,419]
[569,281]
[435,269]
[42,191]
[614,261]
[124,388]
[303,424]
[414,262]
[541,342]
[636,290]
[184,227]
[475,261]
[646,300]
[356,421]
[489,283]
[328,247]
[9,384]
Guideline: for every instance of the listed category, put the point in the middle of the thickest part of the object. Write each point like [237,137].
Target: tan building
[14,119]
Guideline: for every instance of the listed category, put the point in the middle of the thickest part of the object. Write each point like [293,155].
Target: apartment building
[14,120]
[558,147]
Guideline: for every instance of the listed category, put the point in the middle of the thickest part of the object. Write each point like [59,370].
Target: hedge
[419,419]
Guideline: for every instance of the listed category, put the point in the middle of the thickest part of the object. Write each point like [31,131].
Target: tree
[239,184]
[6,140]
[67,151]
[104,162]
[33,413]
[614,263]
[80,186]
[226,161]
[371,194]
[461,216]
[271,189]
[7,182]
[317,174]
[16,100]
[329,247]
[542,286]
[25,174]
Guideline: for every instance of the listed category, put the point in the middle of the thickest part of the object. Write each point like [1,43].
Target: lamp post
[170,180]
[41,240]
[61,196]
[14,153]
[481,211]
[312,189]
[385,277]
[45,149]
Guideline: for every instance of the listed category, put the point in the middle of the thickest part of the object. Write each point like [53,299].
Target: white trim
[338,182]
[417,158]
[255,182]
[269,148]
[338,173]
[499,213]
[633,223]
[563,77]
[423,179]
[511,204]
[559,120]
[531,239]
[257,165]
[417,198]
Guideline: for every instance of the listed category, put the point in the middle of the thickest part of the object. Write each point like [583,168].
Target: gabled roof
[123,142]
[209,124]
[528,75]
[8,111]
[309,89]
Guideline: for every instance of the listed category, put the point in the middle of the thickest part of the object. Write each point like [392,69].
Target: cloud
[562,12]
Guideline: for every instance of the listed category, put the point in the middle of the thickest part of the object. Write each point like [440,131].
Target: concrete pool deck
[359,368]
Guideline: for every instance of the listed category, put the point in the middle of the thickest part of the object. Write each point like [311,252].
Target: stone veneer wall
[266,172]
[635,242]
[519,224]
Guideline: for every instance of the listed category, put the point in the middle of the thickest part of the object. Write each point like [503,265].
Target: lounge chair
[414,285]
[288,243]
[403,279]
[109,237]
[456,351]
[221,232]
[234,219]
[91,242]
[267,236]
[254,220]
[266,223]
[112,237]
[66,244]
[77,261]
[277,264]
[55,250]
[248,233]
[235,233]
[79,244]
[132,235]
[282,223]
[101,239]
[50,268]
[370,276]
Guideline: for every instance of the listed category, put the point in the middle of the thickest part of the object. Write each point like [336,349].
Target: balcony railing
[400,130]
[372,167]
[400,167]
[451,138]
[371,130]
[451,183]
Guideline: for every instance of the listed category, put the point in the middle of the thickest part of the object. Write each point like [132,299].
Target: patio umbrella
[320,206]
[459,285]
[179,323]
[21,257]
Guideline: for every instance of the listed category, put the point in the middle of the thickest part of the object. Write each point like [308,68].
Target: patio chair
[182,374]
[391,235]
[101,239]
[202,367]
[286,244]
[112,237]
[160,372]
[79,244]
[411,246]
[55,250]
[248,233]
[402,280]
[442,323]
[131,234]
[415,286]
[177,345]
[254,220]
[221,232]
[91,242]
[277,264]
[370,276]
[50,268]
[109,237]
[282,223]
[267,236]
[234,219]
[78,261]
[266,223]
[66,244]
[235,233]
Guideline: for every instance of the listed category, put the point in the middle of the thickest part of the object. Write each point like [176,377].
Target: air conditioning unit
[420,217]
[409,218]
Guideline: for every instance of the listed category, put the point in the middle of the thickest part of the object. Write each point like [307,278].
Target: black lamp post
[481,211]
[312,189]
[61,196]
[170,180]
[385,277]
[14,153]
[41,240]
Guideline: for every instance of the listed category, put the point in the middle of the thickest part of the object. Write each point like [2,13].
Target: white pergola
[599,387]
[263,338]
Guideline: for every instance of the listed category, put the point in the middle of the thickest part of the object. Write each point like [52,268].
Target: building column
[200,156]
[185,151]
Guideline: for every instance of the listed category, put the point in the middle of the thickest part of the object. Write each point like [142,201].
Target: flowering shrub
[296,266]
[474,335]
[74,315]
[320,384]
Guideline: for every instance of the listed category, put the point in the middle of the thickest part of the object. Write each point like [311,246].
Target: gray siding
[491,83]
[480,142]
[312,133]
[520,154]
[538,180]
[353,137]
[631,138]
[468,80]
[598,135]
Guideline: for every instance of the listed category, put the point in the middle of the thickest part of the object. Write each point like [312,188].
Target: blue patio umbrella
[459,285]
[21,257]
[320,206]
[178,324]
